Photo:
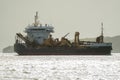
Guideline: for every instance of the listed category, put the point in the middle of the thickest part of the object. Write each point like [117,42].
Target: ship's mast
[101,28]
[102,37]
[36,20]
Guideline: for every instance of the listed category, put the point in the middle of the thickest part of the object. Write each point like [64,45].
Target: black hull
[22,50]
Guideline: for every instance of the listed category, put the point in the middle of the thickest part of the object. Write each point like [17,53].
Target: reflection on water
[15,67]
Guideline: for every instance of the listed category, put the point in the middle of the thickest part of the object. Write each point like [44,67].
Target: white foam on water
[15,67]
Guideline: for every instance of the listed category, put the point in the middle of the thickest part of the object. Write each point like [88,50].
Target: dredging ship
[39,41]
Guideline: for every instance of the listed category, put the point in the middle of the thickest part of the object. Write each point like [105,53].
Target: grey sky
[66,16]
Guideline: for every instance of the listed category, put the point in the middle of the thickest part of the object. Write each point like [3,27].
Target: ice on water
[14,67]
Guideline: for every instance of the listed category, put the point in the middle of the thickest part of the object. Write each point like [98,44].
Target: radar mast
[36,20]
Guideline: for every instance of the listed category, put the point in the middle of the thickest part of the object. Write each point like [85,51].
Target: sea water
[75,67]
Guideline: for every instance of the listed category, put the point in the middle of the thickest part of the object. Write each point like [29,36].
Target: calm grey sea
[15,67]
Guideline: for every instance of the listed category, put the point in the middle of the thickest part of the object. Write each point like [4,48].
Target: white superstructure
[38,32]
